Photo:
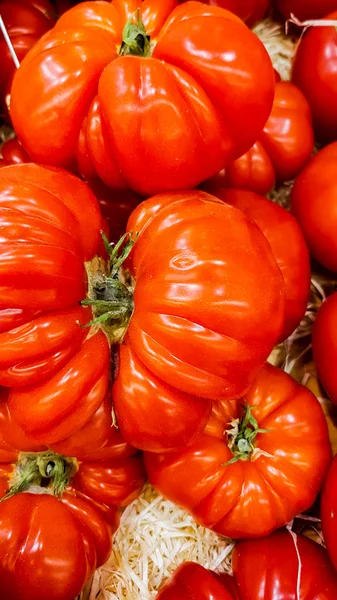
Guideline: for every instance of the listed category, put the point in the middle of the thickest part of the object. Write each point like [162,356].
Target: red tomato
[288,246]
[224,480]
[305,9]
[314,72]
[50,225]
[192,582]
[324,345]
[313,202]
[249,11]
[26,21]
[13,153]
[283,566]
[76,529]
[200,268]
[168,121]
[282,150]
[329,513]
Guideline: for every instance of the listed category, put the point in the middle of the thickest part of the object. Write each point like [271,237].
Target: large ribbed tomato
[282,150]
[313,203]
[49,547]
[152,116]
[50,226]
[314,72]
[283,566]
[26,21]
[258,463]
[204,319]
[288,245]
[249,11]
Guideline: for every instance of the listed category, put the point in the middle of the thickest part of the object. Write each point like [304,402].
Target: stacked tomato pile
[145,280]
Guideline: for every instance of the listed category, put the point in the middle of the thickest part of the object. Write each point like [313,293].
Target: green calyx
[44,471]
[135,42]
[241,436]
[110,297]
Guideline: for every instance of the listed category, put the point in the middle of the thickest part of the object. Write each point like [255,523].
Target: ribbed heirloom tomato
[152,115]
[283,566]
[314,72]
[288,246]
[282,150]
[203,320]
[50,226]
[258,464]
[50,546]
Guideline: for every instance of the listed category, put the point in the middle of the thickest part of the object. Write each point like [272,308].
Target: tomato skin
[101,114]
[228,498]
[50,225]
[313,204]
[26,21]
[305,9]
[283,566]
[283,149]
[220,348]
[191,581]
[78,527]
[324,345]
[314,72]
[328,512]
[152,415]
[288,245]
[249,11]
[13,153]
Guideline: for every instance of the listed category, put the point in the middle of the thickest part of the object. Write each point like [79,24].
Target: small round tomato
[13,153]
[329,512]
[283,566]
[324,345]
[270,450]
[192,582]
[282,150]
[158,105]
[314,72]
[305,9]
[314,204]
[288,245]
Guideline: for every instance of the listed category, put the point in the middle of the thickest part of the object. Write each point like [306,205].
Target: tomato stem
[109,296]
[135,42]
[46,470]
[241,436]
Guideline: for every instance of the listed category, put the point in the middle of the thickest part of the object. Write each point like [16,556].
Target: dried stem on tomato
[135,42]
[48,471]
[241,436]
[110,295]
